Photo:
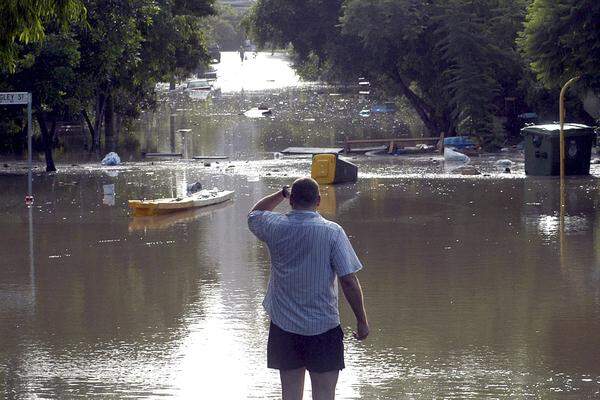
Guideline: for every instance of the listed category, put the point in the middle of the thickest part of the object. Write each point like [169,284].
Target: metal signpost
[22,98]
[12,98]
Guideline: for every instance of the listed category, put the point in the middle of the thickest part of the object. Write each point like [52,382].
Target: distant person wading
[308,253]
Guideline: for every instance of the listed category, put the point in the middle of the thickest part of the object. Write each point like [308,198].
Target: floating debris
[505,163]
[258,112]
[111,158]
[454,156]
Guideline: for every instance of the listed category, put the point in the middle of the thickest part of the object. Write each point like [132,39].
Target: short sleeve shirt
[307,253]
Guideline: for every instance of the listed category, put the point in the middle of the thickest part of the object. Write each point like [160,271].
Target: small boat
[202,198]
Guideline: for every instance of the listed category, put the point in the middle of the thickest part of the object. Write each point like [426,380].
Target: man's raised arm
[268,203]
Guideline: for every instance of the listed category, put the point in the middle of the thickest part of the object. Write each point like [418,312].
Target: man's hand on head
[268,203]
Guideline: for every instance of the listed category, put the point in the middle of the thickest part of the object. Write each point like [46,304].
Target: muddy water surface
[470,290]
[467,290]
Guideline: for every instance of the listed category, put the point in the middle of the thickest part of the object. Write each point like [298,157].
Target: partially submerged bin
[329,168]
[542,149]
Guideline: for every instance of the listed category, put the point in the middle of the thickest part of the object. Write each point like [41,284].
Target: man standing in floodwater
[307,253]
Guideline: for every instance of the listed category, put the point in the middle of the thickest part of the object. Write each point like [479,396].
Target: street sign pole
[29,146]
[23,98]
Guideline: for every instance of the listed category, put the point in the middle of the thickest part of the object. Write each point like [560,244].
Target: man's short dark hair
[305,192]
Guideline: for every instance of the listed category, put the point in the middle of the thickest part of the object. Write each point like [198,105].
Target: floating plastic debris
[111,158]
[455,156]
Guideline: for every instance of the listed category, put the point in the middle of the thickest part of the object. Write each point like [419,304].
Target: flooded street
[472,290]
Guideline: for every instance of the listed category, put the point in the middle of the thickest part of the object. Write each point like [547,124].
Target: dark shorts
[319,353]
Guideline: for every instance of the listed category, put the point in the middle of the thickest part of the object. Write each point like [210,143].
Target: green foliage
[562,40]
[469,49]
[225,28]
[25,21]
[52,77]
[457,56]
[454,61]
[194,8]
[109,62]
[310,26]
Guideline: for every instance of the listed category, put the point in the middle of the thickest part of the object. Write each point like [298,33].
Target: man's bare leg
[323,385]
[292,383]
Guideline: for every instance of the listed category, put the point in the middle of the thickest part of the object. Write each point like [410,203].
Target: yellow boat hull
[204,198]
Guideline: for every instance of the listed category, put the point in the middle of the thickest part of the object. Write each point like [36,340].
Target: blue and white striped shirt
[307,253]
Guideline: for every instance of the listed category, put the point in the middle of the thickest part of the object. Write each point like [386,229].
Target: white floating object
[505,163]
[454,156]
[108,190]
[108,200]
[258,112]
[111,158]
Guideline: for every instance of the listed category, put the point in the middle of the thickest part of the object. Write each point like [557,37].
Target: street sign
[9,98]
[14,97]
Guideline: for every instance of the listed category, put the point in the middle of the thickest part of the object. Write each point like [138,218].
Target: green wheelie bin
[542,149]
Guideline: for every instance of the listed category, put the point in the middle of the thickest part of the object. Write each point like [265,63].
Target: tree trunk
[47,140]
[425,111]
[117,133]
[86,117]
[100,105]
[20,142]
[109,124]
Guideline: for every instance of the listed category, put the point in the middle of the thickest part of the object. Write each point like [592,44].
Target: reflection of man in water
[242,53]
[308,253]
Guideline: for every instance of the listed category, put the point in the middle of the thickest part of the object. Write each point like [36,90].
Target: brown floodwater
[469,291]
[472,290]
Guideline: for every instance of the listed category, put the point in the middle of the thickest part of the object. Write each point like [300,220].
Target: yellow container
[329,168]
[323,168]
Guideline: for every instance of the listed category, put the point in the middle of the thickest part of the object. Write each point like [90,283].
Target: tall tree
[130,46]
[225,28]
[106,67]
[561,40]
[452,60]
[25,21]
[49,71]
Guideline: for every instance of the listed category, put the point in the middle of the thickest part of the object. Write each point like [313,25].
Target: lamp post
[562,113]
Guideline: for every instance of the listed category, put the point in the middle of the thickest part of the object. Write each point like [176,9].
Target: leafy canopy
[453,60]
[562,40]
[25,21]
